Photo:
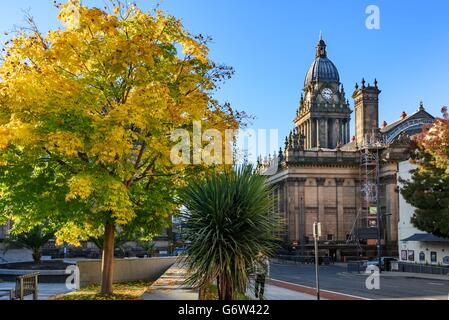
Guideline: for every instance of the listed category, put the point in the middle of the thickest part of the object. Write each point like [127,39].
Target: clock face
[327,94]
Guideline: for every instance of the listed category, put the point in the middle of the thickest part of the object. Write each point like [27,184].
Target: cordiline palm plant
[34,240]
[228,222]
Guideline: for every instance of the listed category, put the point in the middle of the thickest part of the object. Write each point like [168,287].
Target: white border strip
[339,293]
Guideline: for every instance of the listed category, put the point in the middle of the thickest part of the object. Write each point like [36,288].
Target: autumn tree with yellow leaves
[86,115]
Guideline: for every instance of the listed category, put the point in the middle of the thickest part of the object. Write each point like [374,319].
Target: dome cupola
[322,69]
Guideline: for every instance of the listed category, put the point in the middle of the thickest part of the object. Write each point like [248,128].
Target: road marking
[333,292]
[429,299]
[436,283]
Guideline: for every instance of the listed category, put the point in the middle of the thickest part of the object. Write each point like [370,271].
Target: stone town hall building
[324,174]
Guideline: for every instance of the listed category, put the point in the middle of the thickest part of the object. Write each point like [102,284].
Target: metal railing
[422,268]
[356,267]
[288,259]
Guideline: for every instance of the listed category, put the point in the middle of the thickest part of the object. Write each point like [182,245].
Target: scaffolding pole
[368,217]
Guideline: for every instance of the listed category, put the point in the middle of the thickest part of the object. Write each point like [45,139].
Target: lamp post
[316,236]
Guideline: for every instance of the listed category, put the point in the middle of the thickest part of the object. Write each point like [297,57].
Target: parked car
[385,262]
[179,251]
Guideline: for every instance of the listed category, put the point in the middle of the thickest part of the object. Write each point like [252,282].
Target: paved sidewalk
[46,290]
[273,292]
[171,286]
[15,255]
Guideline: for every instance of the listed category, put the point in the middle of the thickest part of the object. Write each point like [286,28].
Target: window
[411,255]
[404,255]
[422,256]
[330,237]
[433,256]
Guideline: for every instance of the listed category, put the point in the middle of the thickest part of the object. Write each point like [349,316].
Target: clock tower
[323,117]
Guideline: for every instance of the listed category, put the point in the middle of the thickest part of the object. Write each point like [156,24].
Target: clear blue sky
[272,43]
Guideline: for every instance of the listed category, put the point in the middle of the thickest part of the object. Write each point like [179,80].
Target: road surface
[335,278]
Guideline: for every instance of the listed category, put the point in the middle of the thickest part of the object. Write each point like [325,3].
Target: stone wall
[125,269]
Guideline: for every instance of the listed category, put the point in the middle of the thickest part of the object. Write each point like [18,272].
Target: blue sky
[271,44]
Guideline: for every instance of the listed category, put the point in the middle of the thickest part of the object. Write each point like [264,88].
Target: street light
[316,236]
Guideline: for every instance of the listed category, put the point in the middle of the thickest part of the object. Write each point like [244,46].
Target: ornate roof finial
[363,83]
[421,106]
[356,86]
[375,83]
[321,48]
[281,155]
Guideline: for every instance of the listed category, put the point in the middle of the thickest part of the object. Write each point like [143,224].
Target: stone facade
[318,174]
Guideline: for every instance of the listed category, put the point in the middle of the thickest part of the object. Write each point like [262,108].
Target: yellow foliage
[64,143]
[80,187]
[101,97]
[71,233]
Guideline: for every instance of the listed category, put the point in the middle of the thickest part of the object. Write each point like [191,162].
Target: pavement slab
[46,290]
[171,286]
[275,292]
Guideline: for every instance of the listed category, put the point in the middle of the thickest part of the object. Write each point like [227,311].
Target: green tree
[86,116]
[228,222]
[428,190]
[34,240]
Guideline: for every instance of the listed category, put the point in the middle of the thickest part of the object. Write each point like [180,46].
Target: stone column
[304,132]
[307,134]
[301,213]
[348,125]
[320,196]
[318,142]
[392,207]
[340,232]
[296,206]
[313,133]
[310,133]
[289,208]
[333,132]
[326,134]
[337,131]
[342,132]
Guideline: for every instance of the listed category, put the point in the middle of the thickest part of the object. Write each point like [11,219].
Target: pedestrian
[262,271]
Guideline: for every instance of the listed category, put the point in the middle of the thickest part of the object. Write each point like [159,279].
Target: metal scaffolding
[367,224]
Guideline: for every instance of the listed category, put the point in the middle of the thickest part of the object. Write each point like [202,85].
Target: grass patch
[122,291]
[211,293]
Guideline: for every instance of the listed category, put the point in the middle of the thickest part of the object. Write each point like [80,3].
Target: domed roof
[322,69]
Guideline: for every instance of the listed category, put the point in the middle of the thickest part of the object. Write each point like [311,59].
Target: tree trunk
[229,293]
[226,292]
[107,265]
[37,255]
[220,297]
